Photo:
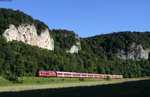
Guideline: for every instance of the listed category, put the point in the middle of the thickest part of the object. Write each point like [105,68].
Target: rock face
[137,52]
[76,47]
[28,34]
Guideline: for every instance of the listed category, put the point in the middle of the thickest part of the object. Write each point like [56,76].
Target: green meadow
[75,87]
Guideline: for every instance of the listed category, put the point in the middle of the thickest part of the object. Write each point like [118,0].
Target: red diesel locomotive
[44,73]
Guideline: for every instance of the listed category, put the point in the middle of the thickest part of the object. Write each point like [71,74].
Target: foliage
[64,39]
[98,54]
[81,79]
[9,16]
[21,59]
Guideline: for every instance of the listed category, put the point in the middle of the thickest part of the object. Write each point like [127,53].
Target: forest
[98,54]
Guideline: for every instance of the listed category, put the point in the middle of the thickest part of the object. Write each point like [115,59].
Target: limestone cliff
[28,34]
[76,47]
[136,52]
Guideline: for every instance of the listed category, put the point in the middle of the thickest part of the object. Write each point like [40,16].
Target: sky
[87,17]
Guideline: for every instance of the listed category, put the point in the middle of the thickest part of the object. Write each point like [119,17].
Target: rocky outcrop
[76,47]
[136,53]
[28,34]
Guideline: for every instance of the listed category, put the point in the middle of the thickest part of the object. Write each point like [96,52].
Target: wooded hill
[98,54]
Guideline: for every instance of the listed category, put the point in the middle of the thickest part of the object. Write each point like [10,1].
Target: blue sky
[87,17]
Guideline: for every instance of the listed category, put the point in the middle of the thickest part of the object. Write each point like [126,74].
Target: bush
[63,79]
[108,78]
[81,79]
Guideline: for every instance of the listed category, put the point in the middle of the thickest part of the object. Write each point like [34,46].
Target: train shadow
[127,89]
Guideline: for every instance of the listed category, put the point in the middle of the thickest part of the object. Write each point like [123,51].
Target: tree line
[98,54]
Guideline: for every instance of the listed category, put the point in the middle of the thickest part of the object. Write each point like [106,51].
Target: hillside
[9,16]
[121,43]
[125,53]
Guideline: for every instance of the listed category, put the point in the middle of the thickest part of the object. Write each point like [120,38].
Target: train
[47,73]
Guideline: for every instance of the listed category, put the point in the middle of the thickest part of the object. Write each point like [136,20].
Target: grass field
[60,87]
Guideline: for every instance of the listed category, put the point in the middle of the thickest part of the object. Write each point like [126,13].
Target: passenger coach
[44,73]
